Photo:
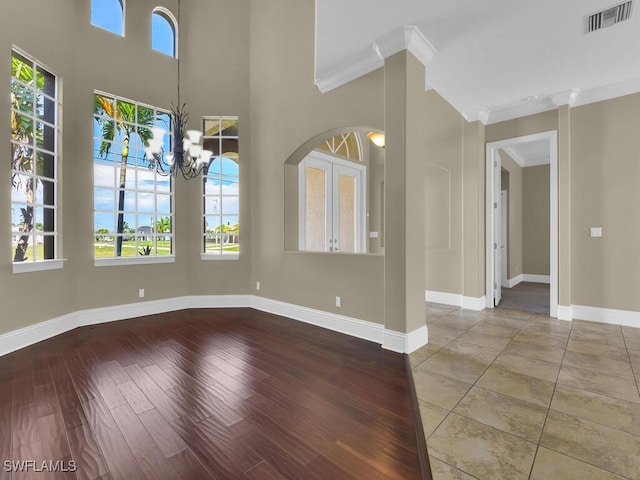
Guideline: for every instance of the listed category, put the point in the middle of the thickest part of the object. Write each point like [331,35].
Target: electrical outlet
[338,302]
[257,285]
[141,293]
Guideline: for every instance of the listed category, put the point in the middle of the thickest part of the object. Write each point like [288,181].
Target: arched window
[163,32]
[108,14]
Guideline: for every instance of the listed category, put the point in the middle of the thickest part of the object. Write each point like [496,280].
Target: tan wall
[605,174]
[88,58]
[535,220]
[443,130]
[540,122]
[287,111]
[514,236]
[473,165]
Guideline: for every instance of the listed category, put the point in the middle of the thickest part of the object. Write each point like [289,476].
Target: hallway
[527,296]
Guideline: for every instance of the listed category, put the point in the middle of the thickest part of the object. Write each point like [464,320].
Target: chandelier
[187,156]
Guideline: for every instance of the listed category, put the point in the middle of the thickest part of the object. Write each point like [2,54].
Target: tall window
[109,15]
[221,194]
[133,205]
[35,131]
[163,32]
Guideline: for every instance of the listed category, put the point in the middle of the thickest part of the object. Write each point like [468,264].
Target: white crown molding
[359,65]
[408,38]
[374,332]
[607,92]
[574,98]
[525,162]
[565,98]
[515,155]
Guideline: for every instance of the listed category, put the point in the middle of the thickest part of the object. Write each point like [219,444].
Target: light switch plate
[373,234]
[596,231]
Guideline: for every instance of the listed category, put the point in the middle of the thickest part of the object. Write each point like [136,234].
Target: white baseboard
[405,342]
[474,303]
[456,300]
[512,282]
[564,312]
[527,277]
[444,298]
[627,318]
[338,323]
[374,332]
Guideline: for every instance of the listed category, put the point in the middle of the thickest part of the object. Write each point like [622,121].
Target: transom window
[163,32]
[133,204]
[108,15]
[35,132]
[221,188]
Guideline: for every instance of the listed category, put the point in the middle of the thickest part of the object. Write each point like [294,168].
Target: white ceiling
[492,60]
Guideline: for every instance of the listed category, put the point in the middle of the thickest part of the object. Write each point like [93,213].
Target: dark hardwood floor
[201,394]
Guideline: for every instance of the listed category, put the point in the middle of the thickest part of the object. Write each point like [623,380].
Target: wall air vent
[609,16]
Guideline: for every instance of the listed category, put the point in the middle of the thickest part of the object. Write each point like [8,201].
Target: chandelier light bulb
[194,136]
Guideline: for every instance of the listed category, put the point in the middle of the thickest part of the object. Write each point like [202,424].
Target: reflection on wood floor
[203,394]
[527,296]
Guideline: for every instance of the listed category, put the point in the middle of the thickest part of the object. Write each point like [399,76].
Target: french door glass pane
[315,205]
[347,213]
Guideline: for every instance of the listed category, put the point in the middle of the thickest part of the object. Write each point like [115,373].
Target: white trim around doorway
[491,157]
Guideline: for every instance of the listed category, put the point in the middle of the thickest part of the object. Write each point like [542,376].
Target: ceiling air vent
[610,16]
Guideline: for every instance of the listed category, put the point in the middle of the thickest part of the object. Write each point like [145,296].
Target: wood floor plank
[121,462]
[188,466]
[163,434]
[229,393]
[86,453]
[144,448]
[135,397]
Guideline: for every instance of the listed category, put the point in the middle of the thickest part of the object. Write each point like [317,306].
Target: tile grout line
[555,385]
[474,384]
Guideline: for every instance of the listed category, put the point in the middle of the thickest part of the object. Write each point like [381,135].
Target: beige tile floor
[506,394]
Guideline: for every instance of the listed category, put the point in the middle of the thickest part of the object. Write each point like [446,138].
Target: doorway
[530,150]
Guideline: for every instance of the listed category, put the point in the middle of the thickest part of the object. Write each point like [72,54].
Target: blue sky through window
[108,14]
[162,35]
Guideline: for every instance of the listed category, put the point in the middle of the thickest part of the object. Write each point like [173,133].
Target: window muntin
[221,188]
[108,15]
[133,204]
[35,133]
[163,32]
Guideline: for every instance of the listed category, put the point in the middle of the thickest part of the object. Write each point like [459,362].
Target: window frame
[136,191]
[173,23]
[221,255]
[123,7]
[32,265]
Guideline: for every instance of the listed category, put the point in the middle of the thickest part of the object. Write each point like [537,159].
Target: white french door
[331,208]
